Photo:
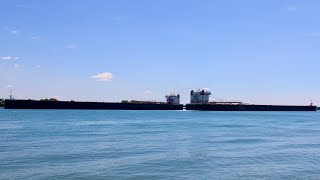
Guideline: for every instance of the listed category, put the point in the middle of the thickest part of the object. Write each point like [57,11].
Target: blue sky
[252,51]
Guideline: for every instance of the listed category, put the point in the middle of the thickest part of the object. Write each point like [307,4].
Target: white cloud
[71,46]
[292,8]
[16,66]
[6,58]
[37,66]
[14,32]
[147,92]
[11,30]
[106,76]
[8,86]
[206,89]
[9,58]
[24,6]
[35,37]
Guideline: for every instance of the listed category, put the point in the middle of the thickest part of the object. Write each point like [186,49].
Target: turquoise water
[63,144]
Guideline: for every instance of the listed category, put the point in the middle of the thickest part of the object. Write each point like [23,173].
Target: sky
[261,52]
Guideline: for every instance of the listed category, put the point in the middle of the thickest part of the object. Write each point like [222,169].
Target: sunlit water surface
[69,144]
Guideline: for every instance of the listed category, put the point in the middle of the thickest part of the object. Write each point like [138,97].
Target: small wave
[10,126]
[297,146]
[92,123]
[232,126]
[241,140]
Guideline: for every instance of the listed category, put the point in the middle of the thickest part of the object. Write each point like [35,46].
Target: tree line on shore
[1,102]
[50,99]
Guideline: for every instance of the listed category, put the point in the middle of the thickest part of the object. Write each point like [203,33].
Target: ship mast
[11,96]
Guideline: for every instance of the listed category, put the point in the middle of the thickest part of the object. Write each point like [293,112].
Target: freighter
[199,100]
[172,103]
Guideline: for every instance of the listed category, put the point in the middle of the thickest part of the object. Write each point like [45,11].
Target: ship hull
[220,107]
[32,104]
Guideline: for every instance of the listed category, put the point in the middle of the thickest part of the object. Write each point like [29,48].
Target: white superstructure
[173,99]
[200,97]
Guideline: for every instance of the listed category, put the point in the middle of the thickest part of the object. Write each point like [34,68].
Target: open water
[68,144]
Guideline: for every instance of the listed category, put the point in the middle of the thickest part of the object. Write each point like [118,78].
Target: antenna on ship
[10,94]
[311,104]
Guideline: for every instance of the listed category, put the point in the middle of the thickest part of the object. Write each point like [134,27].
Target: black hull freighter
[173,103]
[200,101]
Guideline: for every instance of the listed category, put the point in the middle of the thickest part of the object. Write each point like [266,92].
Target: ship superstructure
[200,96]
[173,99]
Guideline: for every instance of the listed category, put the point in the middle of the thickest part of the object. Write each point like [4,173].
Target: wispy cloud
[71,46]
[24,6]
[16,66]
[9,58]
[14,32]
[37,66]
[106,76]
[292,8]
[147,92]
[8,86]
[35,37]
